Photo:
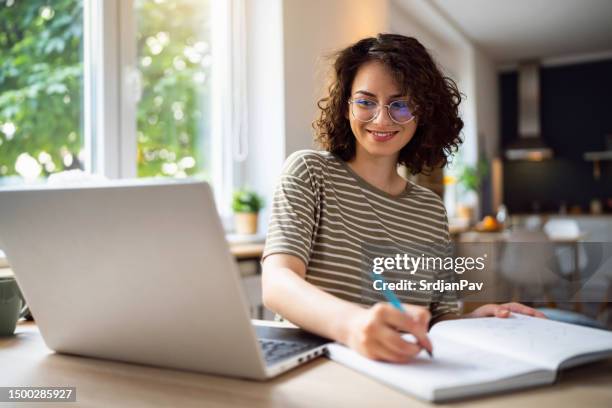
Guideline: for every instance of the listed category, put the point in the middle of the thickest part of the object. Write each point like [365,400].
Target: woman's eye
[365,103]
[400,105]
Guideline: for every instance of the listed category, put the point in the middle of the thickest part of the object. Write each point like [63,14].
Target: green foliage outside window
[41,82]
[173,114]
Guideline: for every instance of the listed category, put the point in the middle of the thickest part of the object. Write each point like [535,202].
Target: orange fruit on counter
[489,223]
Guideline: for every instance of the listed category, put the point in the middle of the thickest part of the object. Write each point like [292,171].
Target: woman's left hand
[504,310]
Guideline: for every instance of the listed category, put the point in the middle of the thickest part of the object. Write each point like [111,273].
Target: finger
[385,353]
[394,341]
[533,312]
[485,310]
[411,320]
[501,311]
[407,322]
[519,308]
[540,314]
[522,309]
[422,316]
[419,313]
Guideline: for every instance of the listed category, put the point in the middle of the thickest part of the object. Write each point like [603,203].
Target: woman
[389,105]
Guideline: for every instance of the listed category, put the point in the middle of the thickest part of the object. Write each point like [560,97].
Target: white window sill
[245,239]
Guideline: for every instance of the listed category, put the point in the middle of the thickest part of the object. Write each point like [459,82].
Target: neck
[379,171]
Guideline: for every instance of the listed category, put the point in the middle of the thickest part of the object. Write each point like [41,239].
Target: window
[174,111]
[123,88]
[41,88]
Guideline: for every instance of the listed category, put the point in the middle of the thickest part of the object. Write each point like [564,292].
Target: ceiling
[513,30]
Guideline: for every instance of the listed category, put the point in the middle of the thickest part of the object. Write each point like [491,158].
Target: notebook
[485,355]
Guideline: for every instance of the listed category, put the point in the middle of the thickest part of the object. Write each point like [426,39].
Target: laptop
[141,272]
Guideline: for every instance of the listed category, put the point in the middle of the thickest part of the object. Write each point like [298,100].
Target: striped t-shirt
[328,216]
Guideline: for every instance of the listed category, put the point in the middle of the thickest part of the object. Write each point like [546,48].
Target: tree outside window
[41,88]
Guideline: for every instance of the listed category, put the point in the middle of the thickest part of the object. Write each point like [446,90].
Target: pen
[395,302]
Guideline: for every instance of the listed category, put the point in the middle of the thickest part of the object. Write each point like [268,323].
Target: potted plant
[470,179]
[246,205]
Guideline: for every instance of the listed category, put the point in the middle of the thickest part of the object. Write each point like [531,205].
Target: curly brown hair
[435,97]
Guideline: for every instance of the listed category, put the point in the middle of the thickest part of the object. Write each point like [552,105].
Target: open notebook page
[454,366]
[541,341]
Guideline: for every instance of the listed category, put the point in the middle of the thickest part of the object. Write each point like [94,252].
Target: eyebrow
[374,95]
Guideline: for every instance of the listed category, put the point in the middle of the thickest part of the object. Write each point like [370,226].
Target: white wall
[313,30]
[266,99]
[287,44]
[404,19]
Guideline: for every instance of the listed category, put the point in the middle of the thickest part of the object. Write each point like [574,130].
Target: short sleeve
[292,221]
[446,302]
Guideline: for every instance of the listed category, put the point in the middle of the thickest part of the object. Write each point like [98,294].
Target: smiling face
[374,82]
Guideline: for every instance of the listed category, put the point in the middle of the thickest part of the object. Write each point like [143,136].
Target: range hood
[529,145]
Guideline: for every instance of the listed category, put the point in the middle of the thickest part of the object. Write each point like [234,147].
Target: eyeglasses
[366,110]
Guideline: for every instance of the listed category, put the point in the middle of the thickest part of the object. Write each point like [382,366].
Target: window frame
[101,81]
[112,89]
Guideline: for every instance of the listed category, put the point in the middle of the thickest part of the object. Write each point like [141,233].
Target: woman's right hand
[376,332]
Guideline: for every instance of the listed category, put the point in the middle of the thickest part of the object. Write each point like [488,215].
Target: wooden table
[247,251]
[25,361]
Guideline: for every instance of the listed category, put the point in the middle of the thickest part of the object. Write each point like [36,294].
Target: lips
[382,136]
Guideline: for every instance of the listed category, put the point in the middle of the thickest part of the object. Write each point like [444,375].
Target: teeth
[382,134]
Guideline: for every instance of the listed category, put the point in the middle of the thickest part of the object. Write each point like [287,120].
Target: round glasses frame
[378,109]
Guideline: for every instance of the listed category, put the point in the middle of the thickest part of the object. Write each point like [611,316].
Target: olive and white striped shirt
[328,216]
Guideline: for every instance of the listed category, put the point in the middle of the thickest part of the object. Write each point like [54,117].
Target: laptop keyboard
[276,350]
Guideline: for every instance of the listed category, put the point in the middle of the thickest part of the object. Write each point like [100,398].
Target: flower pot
[245,223]
[466,212]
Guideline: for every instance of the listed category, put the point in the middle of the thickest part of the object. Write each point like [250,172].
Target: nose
[383,118]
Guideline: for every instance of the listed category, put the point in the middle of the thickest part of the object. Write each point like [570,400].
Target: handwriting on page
[532,334]
[530,339]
